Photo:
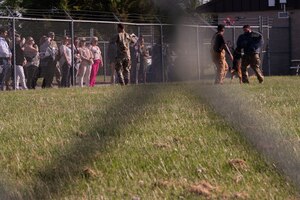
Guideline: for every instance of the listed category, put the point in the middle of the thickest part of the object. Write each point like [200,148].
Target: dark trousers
[65,81]
[6,73]
[48,70]
[31,72]
[73,72]
[252,60]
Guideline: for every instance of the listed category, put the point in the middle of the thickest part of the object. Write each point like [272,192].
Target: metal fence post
[14,46]
[198,54]
[72,47]
[234,37]
[268,46]
[73,52]
[290,40]
[260,29]
[152,35]
[138,64]
[104,61]
[91,33]
[162,53]
[14,52]
[260,21]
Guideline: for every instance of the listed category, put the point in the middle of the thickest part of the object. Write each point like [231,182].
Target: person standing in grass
[218,52]
[251,43]
[95,49]
[65,61]
[31,52]
[20,62]
[5,60]
[86,58]
[75,67]
[123,60]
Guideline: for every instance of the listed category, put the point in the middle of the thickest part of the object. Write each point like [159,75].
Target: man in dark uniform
[251,43]
[123,59]
[218,49]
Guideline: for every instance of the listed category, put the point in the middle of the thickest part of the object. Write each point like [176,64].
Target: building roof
[216,6]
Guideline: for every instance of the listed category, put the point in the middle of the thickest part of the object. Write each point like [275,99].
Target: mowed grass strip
[136,142]
[281,96]
[269,132]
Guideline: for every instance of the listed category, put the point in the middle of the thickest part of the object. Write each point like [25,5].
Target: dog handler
[251,42]
[218,49]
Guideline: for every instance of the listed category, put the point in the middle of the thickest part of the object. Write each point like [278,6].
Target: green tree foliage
[121,7]
[13,3]
[38,4]
[95,5]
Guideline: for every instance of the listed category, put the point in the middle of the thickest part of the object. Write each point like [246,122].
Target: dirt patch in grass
[238,164]
[161,145]
[89,173]
[203,188]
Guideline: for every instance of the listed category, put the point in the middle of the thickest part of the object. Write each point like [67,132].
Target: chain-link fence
[175,52]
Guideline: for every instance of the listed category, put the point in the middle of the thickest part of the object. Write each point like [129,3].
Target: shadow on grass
[60,174]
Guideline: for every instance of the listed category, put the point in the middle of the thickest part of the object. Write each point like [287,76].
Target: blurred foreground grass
[147,142]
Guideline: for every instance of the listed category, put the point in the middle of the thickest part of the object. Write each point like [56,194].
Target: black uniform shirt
[218,42]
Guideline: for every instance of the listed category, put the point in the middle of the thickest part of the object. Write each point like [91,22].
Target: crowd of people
[247,53]
[47,59]
[53,61]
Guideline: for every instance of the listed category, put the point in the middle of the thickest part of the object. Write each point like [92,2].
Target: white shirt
[4,49]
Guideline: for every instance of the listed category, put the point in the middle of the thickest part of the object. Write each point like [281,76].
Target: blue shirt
[4,49]
[250,42]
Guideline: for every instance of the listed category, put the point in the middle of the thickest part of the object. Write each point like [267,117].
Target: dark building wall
[237,4]
[243,5]
[295,34]
[284,41]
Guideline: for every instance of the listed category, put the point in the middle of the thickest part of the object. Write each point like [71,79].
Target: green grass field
[138,142]
[281,96]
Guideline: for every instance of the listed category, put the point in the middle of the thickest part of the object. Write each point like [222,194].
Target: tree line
[148,7]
